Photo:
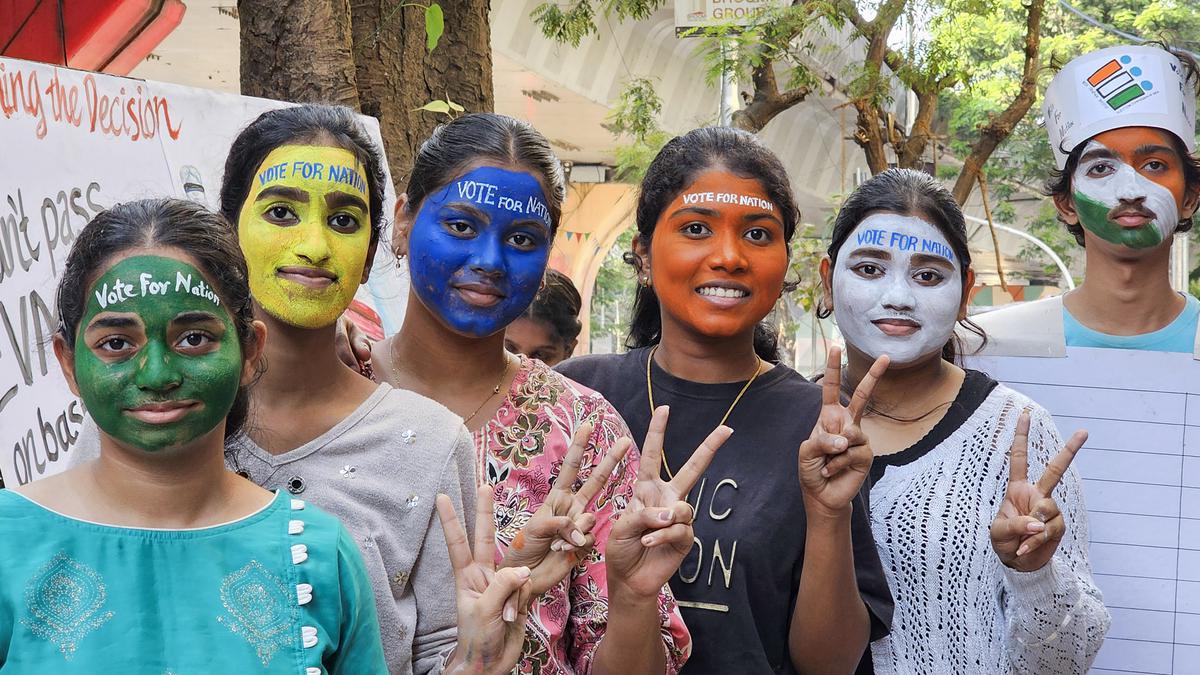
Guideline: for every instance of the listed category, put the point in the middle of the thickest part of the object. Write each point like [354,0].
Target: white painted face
[897,287]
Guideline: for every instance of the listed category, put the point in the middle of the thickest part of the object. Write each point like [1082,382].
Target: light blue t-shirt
[1177,336]
[282,591]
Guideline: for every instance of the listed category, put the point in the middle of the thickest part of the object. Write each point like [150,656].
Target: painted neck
[1125,295]
[171,489]
[697,358]
[437,358]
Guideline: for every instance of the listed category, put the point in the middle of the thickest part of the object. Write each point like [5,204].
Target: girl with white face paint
[988,573]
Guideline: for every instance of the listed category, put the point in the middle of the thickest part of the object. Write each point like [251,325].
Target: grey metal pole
[728,86]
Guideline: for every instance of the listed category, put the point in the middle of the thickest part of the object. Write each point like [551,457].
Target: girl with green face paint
[157,360]
[156,335]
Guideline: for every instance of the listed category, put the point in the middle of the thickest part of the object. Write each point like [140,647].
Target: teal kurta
[280,591]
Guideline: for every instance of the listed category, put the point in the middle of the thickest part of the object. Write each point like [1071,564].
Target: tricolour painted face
[157,358]
[897,288]
[305,229]
[718,256]
[1129,187]
[478,248]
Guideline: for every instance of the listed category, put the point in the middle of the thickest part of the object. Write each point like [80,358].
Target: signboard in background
[691,15]
[73,143]
[1141,481]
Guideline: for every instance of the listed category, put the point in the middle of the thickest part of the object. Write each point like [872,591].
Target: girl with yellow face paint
[305,188]
[306,231]
[158,337]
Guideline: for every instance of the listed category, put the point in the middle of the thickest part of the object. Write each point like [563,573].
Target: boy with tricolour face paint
[1121,123]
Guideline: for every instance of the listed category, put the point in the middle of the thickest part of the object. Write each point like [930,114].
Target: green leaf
[454,106]
[436,107]
[435,25]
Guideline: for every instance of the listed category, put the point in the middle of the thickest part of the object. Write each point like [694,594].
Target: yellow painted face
[305,229]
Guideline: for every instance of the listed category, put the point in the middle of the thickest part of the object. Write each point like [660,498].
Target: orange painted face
[718,256]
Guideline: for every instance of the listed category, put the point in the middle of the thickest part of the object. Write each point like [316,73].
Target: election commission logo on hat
[1129,86]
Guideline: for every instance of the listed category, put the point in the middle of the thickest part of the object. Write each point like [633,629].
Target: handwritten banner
[75,143]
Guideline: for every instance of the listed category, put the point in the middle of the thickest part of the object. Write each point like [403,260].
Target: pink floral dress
[521,450]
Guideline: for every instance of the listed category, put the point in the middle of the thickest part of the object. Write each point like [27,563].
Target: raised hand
[651,538]
[1026,531]
[558,534]
[492,605]
[352,345]
[837,456]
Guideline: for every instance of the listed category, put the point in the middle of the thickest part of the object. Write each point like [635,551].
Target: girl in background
[549,330]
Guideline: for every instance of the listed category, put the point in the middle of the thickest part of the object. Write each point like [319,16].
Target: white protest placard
[73,143]
[1141,479]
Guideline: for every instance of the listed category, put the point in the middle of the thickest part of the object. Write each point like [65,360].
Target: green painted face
[157,358]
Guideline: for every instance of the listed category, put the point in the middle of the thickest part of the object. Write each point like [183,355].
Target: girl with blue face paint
[476,224]
[478,248]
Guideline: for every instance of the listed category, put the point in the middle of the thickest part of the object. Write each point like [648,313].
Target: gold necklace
[650,396]
[495,390]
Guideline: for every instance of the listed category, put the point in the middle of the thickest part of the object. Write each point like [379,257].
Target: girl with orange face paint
[784,568]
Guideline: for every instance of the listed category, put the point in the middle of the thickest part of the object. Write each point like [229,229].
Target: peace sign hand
[558,535]
[492,605]
[1026,531]
[651,538]
[837,456]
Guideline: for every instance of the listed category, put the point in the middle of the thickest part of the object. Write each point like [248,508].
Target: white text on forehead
[727,198]
[489,195]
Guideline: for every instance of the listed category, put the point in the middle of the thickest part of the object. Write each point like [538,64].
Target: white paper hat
[1114,88]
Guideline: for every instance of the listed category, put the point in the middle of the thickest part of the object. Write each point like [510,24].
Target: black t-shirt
[737,586]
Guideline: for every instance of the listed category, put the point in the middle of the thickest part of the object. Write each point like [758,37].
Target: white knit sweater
[958,608]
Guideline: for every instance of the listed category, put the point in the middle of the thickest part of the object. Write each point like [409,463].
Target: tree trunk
[397,74]
[370,55]
[297,50]
[871,137]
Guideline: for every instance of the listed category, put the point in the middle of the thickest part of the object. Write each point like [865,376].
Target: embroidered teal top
[281,591]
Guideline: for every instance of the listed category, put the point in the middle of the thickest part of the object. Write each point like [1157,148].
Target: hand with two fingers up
[493,605]
[650,539]
[837,456]
[1028,527]
[558,535]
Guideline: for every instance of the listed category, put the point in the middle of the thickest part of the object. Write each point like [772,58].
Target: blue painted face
[478,249]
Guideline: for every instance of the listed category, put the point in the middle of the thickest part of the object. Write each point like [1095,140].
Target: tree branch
[767,101]
[910,152]
[1001,126]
